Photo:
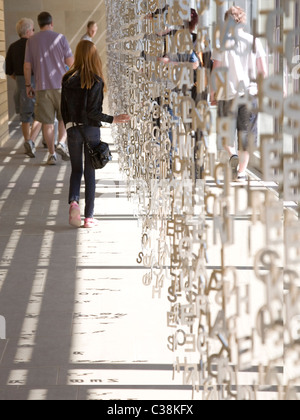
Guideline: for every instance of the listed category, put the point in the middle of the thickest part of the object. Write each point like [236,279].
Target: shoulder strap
[84,137]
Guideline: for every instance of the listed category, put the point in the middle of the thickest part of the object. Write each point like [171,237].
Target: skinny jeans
[82,166]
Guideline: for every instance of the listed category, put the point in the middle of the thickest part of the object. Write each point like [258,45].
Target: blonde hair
[23,26]
[237,13]
[88,64]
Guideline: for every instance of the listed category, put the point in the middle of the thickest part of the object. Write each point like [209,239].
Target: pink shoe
[75,219]
[90,223]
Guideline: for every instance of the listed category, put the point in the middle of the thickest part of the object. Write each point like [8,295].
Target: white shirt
[241,62]
[86,37]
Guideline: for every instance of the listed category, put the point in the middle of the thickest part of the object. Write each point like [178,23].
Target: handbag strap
[84,137]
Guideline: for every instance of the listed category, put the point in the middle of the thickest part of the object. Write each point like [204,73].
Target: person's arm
[262,67]
[196,64]
[28,71]
[95,107]
[9,66]
[213,100]
[27,74]
[95,99]
[261,61]
[195,60]
[121,119]
[69,61]
[67,51]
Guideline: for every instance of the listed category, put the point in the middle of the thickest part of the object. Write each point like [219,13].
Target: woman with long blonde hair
[83,90]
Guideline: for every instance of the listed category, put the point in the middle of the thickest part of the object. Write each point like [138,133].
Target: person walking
[47,55]
[14,67]
[83,90]
[245,60]
[92,29]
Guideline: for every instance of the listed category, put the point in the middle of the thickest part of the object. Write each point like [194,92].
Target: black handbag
[100,155]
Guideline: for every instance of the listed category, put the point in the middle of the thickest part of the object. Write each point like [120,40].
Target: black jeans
[76,147]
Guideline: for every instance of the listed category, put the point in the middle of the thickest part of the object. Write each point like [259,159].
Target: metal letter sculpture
[225,256]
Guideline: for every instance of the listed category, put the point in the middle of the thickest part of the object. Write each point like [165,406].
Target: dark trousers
[82,166]
[246,120]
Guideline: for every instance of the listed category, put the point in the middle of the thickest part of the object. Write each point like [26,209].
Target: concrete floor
[80,323]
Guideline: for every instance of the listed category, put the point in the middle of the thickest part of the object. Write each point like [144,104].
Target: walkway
[80,323]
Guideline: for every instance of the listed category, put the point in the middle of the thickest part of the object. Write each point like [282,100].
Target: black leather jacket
[83,106]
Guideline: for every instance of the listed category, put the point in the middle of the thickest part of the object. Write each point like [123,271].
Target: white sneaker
[62,150]
[242,177]
[29,147]
[234,164]
[52,160]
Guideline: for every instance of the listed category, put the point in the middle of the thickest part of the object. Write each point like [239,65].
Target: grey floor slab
[80,322]
[73,299]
